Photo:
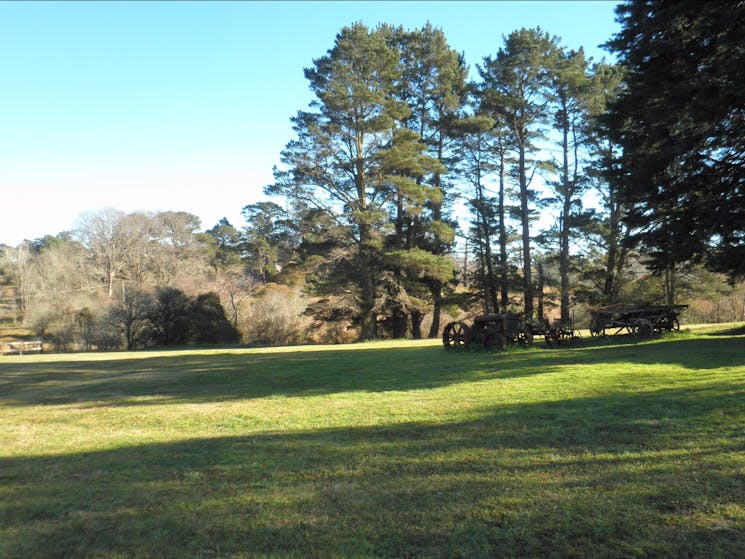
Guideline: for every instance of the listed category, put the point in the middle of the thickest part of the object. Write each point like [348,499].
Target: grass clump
[397,449]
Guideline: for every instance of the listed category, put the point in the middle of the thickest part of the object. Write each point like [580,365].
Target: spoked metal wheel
[669,324]
[552,337]
[455,334]
[525,338]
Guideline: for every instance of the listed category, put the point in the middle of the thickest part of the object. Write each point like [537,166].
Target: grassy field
[399,449]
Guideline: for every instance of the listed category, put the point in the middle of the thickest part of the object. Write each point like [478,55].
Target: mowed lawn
[399,449]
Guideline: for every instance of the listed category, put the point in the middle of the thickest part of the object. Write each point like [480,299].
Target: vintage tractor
[493,330]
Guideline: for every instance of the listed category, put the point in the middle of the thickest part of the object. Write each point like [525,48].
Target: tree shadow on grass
[735,331]
[607,476]
[225,376]
[688,352]
[201,377]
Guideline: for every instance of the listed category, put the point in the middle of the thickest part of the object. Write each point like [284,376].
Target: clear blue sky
[186,105]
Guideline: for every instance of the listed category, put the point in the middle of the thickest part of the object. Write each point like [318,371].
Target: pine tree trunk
[504,298]
[435,288]
[527,272]
[485,231]
[416,324]
[564,265]
[540,310]
[565,213]
[616,257]
[368,316]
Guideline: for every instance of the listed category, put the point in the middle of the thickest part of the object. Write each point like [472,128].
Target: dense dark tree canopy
[680,123]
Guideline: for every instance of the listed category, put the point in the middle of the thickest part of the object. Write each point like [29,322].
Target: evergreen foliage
[679,122]
[170,317]
[360,156]
[209,323]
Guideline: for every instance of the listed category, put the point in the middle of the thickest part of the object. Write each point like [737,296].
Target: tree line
[412,193]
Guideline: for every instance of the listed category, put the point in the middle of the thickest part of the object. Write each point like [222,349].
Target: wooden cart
[642,322]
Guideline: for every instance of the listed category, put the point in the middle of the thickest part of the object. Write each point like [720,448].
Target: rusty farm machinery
[492,330]
[505,329]
[501,330]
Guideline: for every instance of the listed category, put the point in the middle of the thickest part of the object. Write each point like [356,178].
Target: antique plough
[560,332]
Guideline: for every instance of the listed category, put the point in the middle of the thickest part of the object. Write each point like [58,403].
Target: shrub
[170,317]
[209,323]
[126,323]
[276,318]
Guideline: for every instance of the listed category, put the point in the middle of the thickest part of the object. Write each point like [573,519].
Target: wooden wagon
[643,321]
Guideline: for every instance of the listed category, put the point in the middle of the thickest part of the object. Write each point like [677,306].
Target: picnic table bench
[19,348]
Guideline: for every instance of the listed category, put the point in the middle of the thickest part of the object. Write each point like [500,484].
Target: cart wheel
[596,328]
[553,337]
[642,328]
[671,325]
[525,338]
[455,334]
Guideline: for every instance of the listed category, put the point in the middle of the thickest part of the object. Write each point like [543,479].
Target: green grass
[401,449]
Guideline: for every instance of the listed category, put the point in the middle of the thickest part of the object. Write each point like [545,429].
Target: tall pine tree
[515,86]
[353,159]
[680,123]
